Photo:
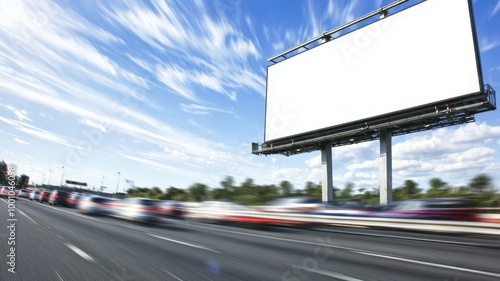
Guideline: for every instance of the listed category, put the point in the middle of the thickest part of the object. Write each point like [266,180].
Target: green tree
[266,193]
[482,191]
[409,190]
[198,192]
[313,190]
[23,181]
[438,188]
[228,184]
[3,172]
[248,199]
[481,183]
[286,188]
[156,193]
[346,193]
[173,191]
[183,195]
[370,197]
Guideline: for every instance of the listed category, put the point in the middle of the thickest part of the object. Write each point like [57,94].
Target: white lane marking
[431,264]
[279,238]
[27,216]
[172,275]
[402,237]
[355,251]
[333,274]
[184,243]
[58,275]
[22,213]
[80,252]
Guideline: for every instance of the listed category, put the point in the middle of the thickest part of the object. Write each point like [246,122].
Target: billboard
[423,55]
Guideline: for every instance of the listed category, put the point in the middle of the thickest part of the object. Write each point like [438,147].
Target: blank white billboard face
[419,56]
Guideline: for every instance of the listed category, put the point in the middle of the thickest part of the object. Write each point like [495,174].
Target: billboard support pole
[385,167]
[327,171]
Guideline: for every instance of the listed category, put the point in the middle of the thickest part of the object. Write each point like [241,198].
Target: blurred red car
[171,208]
[431,209]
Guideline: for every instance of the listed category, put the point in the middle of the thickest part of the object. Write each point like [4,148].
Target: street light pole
[50,176]
[62,176]
[118,183]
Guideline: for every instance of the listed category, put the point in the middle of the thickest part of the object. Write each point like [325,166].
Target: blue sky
[169,93]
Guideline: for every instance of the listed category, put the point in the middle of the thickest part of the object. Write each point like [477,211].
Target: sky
[172,93]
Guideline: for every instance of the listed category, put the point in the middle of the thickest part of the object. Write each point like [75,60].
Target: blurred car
[348,207]
[24,193]
[171,208]
[45,195]
[4,191]
[218,211]
[95,205]
[137,209]
[293,205]
[431,208]
[59,197]
[74,199]
[34,195]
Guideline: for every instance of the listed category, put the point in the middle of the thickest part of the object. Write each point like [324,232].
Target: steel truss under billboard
[411,71]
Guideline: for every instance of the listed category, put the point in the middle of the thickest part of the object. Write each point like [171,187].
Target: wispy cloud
[488,44]
[38,132]
[495,10]
[202,110]
[21,115]
[21,141]
[93,124]
[211,53]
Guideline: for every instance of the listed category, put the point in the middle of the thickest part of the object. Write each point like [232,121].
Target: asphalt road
[57,243]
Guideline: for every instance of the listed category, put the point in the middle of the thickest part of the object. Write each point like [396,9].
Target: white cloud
[20,114]
[495,10]
[488,44]
[313,162]
[22,141]
[176,79]
[365,165]
[219,51]
[202,110]
[93,124]
[37,132]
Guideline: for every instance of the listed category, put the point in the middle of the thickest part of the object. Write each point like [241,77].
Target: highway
[57,243]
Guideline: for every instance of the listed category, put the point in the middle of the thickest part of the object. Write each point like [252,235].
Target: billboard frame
[437,114]
[444,113]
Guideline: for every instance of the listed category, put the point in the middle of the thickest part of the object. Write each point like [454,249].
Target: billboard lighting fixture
[381,12]
[326,38]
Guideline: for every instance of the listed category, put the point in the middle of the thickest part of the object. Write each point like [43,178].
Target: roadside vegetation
[480,189]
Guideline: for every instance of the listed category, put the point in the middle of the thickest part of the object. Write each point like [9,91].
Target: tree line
[480,190]
[6,180]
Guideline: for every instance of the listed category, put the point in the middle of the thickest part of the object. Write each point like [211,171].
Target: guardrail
[488,228]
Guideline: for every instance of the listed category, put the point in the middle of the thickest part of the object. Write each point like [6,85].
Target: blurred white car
[293,205]
[217,211]
[95,205]
[24,193]
[137,209]
[35,195]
